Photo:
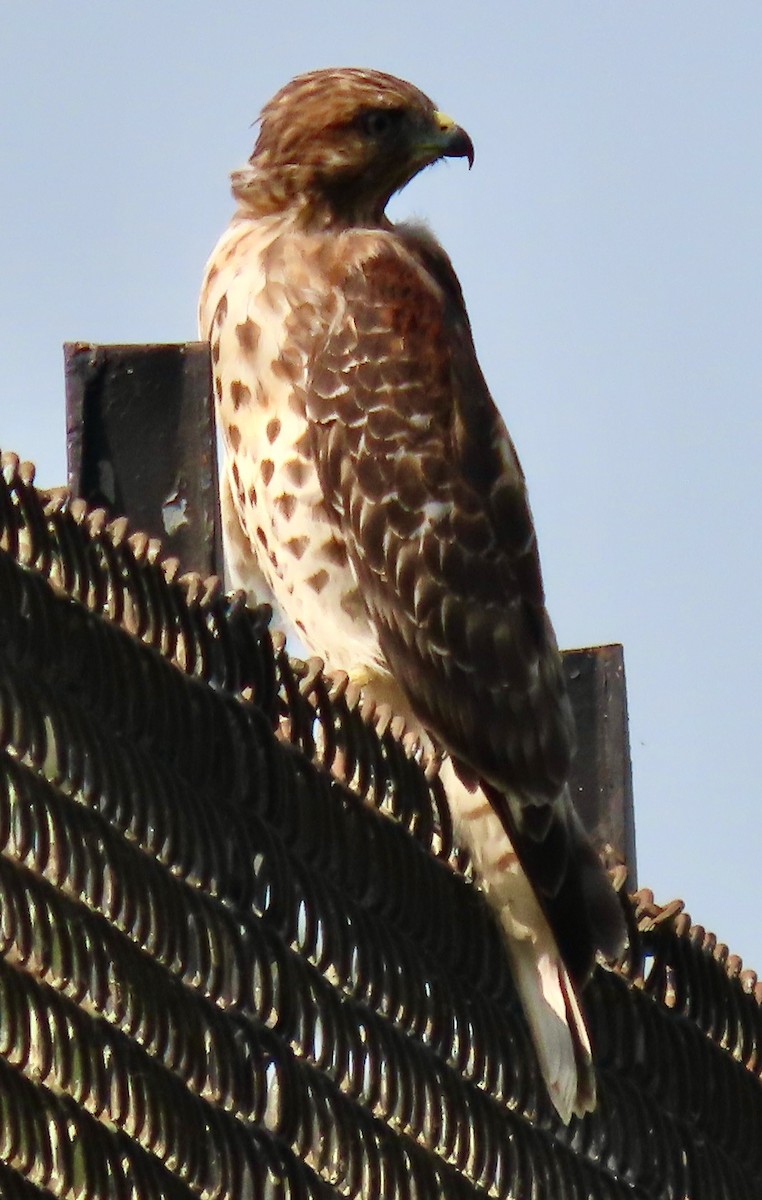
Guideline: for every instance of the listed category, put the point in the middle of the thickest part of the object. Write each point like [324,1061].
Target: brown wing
[431,499]
[425,484]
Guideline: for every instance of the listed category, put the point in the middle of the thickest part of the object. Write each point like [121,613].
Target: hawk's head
[339,142]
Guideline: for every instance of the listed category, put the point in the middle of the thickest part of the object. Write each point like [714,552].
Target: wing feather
[431,500]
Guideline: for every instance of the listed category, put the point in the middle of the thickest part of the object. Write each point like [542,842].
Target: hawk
[372,491]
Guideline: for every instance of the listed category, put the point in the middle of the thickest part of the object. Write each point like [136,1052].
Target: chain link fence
[241,956]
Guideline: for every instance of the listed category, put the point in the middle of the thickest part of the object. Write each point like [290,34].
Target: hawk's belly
[301,553]
[259,367]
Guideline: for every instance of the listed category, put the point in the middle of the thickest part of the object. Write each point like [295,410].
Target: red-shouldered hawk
[372,488]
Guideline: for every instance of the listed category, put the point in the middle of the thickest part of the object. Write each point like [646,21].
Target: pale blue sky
[610,247]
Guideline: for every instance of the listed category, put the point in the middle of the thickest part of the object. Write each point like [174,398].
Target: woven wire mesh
[240,955]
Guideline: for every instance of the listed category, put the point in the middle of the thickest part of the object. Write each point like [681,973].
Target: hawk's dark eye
[378,122]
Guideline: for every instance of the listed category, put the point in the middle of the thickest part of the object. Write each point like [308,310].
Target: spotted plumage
[372,490]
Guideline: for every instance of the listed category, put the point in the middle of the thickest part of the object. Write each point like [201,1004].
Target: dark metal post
[601,781]
[141,443]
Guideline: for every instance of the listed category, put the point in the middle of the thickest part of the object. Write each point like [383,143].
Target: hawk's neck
[305,204]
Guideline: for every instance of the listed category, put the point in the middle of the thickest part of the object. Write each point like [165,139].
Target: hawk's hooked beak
[453,141]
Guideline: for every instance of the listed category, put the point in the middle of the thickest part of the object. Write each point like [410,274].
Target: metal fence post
[140,442]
